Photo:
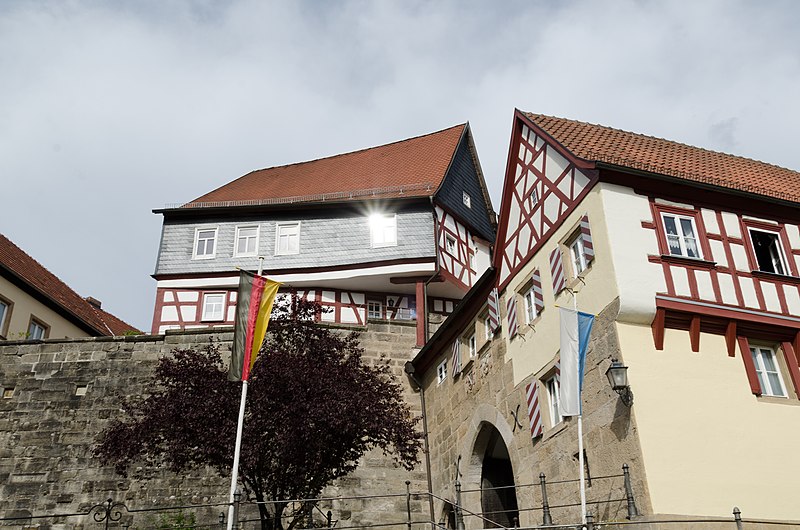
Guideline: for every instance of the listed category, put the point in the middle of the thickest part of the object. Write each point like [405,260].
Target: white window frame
[278,229]
[371,313]
[488,333]
[387,226]
[255,238]
[533,199]
[213,240]
[758,353]
[206,317]
[35,323]
[450,244]
[441,372]
[781,257]
[467,199]
[577,254]
[529,302]
[472,345]
[681,236]
[5,315]
[553,386]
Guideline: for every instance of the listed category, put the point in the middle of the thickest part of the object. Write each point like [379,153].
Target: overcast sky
[110,109]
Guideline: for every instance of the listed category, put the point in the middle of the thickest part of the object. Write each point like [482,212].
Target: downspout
[409,369]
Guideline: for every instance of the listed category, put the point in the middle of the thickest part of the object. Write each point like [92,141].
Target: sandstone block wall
[59,394]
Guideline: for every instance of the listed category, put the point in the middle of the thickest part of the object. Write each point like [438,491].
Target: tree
[313,409]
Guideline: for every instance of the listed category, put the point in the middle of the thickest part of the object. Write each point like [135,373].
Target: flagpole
[580,430]
[239,427]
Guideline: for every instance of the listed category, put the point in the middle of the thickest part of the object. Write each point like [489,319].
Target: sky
[109,110]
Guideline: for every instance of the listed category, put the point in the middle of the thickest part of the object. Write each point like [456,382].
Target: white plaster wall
[536,345]
[708,443]
[629,244]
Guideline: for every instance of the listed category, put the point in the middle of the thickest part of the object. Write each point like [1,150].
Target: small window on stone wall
[80,390]
[8,392]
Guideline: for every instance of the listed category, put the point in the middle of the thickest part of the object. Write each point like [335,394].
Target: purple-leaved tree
[313,409]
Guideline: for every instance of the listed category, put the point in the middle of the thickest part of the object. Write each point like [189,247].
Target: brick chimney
[94,301]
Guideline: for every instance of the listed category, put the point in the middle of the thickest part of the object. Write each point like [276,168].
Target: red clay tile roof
[409,168]
[655,155]
[15,261]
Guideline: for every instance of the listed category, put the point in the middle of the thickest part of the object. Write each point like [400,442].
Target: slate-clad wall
[464,177]
[47,431]
[328,237]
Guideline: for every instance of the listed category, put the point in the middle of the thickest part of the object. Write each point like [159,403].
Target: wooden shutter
[557,269]
[536,281]
[586,235]
[534,410]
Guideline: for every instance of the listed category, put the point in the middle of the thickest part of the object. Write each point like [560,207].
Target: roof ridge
[651,137]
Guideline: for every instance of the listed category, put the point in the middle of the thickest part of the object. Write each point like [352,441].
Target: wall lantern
[617,375]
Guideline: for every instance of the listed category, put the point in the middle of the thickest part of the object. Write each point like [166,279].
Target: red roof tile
[409,168]
[656,155]
[14,260]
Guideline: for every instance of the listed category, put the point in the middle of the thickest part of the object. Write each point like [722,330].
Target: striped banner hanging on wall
[586,235]
[511,309]
[494,310]
[455,361]
[534,411]
[557,268]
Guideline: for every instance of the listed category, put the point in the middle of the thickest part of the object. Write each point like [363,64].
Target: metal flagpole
[238,448]
[580,425]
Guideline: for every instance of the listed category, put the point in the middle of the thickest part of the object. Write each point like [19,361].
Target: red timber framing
[726,272]
[456,250]
[183,308]
[738,326]
[543,184]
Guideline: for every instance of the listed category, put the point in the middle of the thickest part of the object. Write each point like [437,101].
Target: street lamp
[617,375]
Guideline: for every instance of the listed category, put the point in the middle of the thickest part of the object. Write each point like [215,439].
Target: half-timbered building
[690,261]
[389,232]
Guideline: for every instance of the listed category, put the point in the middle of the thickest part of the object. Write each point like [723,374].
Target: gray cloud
[110,109]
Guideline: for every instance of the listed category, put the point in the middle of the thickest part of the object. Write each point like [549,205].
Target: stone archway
[489,468]
[498,495]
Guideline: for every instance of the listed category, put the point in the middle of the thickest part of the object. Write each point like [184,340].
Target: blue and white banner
[575,329]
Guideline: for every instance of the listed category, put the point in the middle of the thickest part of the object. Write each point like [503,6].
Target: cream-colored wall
[25,306]
[707,442]
[629,244]
[535,346]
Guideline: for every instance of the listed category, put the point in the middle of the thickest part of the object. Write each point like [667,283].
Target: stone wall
[461,409]
[59,394]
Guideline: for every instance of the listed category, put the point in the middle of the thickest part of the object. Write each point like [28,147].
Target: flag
[253,308]
[575,329]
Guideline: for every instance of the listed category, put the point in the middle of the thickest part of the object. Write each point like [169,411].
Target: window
[681,235]
[246,241]
[530,305]
[214,306]
[374,309]
[467,200]
[473,346]
[5,315]
[768,371]
[487,328]
[441,372]
[205,243]
[533,199]
[450,244]
[768,251]
[287,238]
[577,254]
[553,390]
[37,330]
[383,228]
